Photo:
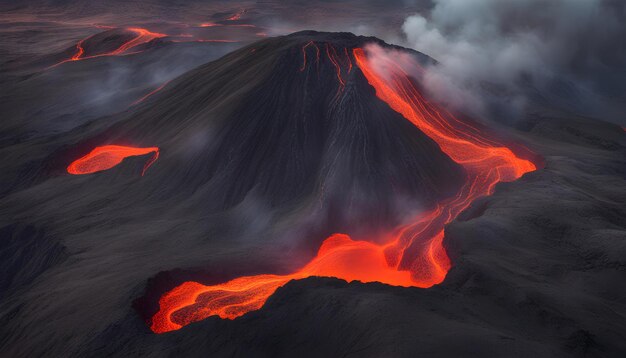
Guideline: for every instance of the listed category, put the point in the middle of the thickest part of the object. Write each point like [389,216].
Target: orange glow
[142,36]
[108,156]
[415,256]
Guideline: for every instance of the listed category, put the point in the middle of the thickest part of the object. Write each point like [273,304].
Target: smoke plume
[505,54]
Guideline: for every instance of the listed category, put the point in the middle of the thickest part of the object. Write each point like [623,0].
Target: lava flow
[142,36]
[108,156]
[414,257]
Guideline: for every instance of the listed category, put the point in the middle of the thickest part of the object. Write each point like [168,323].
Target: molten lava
[414,257]
[80,51]
[142,36]
[108,156]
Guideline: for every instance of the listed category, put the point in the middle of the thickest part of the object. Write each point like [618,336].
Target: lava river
[414,257]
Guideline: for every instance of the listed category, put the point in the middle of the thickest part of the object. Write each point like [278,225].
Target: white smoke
[510,46]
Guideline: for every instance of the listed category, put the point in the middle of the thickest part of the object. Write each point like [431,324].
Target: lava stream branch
[414,257]
[331,57]
[80,51]
[149,94]
[108,156]
[142,36]
[317,54]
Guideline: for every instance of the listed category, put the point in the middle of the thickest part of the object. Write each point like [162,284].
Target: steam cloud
[502,54]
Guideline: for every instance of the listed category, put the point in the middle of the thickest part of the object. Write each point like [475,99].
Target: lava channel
[415,257]
[108,156]
[142,36]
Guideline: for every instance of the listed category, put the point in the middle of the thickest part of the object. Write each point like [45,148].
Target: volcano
[290,193]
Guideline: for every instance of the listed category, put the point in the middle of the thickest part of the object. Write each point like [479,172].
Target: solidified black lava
[260,161]
[258,155]
[253,125]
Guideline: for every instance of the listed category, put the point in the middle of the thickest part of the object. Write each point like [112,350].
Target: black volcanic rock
[259,162]
[25,253]
[92,87]
[252,124]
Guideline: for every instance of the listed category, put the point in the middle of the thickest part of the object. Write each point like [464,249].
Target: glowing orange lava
[108,156]
[414,257]
[142,36]
[80,51]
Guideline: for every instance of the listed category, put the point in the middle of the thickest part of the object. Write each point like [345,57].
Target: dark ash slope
[538,266]
[259,163]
